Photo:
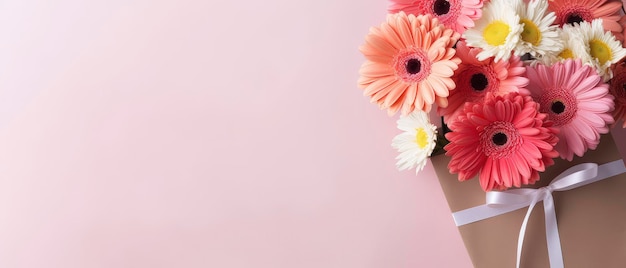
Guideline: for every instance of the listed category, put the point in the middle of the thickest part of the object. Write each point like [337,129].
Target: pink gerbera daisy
[576,100]
[409,62]
[505,140]
[618,90]
[456,14]
[575,11]
[475,79]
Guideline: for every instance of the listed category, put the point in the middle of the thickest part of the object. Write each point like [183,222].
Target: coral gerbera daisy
[505,140]
[602,46]
[576,100]
[456,14]
[417,141]
[497,32]
[477,78]
[409,62]
[618,90]
[620,35]
[539,36]
[576,11]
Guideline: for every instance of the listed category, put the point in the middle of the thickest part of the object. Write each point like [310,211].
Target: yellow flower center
[496,32]
[421,138]
[531,32]
[566,54]
[600,50]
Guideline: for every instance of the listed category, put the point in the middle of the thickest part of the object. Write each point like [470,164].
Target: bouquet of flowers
[517,82]
[518,85]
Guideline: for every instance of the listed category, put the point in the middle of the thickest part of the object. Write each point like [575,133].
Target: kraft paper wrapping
[591,219]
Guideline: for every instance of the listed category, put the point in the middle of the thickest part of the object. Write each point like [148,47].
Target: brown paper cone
[591,219]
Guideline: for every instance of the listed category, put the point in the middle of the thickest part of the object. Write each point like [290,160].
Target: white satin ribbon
[498,203]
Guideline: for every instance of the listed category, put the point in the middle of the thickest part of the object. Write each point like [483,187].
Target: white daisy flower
[573,45]
[497,32]
[602,46]
[417,142]
[572,48]
[539,36]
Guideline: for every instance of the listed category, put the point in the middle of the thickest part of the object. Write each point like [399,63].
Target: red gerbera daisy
[575,11]
[618,90]
[505,139]
[475,79]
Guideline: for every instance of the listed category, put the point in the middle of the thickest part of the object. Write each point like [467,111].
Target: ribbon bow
[498,203]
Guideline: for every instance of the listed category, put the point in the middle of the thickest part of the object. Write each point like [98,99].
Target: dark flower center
[441,7]
[624,86]
[479,82]
[499,139]
[574,18]
[557,107]
[413,66]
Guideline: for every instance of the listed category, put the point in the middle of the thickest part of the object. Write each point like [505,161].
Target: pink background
[203,134]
